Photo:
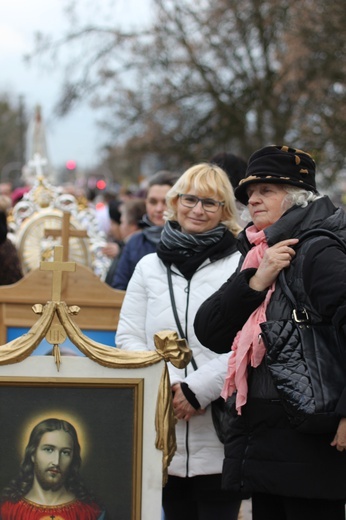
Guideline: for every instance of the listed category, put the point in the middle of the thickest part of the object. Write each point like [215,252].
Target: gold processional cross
[58,266]
[65,232]
[56,333]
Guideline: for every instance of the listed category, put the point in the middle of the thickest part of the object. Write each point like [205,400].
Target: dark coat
[139,245]
[11,269]
[263,453]
[114,264]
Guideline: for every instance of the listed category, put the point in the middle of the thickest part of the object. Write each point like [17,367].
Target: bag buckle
[300,316]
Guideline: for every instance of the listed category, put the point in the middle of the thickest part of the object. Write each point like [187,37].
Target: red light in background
[71,165]
[101,184]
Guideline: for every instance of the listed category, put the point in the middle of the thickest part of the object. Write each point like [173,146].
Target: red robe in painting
[74,510]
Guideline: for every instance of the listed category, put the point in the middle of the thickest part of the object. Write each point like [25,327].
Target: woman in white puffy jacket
[197,253]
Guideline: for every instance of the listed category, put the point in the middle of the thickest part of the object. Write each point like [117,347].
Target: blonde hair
[210,181]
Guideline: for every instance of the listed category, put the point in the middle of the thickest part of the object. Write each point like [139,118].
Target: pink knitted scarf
[247,346]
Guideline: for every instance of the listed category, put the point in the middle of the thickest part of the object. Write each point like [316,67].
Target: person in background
[6,189]
[10,264]
[152,223]
[235,167]
[290,475]
[101,202]
[130,216]
[196,251]
[18,193]
[112,249]
[132,212]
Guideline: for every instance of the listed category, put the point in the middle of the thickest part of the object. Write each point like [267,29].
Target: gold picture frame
[120,459]
[77,381]
[105,412]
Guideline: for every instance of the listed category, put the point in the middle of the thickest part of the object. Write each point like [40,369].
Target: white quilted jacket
[146,310]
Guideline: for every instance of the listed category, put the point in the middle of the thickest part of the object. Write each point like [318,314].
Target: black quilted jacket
[263,453]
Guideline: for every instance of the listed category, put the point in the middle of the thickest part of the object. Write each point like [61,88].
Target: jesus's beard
[50,478]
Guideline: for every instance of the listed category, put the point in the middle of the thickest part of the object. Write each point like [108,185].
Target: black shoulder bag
[220,414]
[307,363]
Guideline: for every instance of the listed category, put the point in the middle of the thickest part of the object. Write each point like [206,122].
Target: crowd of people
[201,254]
[195,285]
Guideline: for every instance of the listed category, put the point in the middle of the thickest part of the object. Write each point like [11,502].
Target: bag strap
[325,232]
[304,236]
[175,312]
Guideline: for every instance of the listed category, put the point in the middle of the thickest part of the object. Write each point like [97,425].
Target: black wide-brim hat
[278,165]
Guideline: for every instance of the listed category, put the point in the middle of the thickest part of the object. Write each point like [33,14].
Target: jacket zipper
[187,448]
[187,291]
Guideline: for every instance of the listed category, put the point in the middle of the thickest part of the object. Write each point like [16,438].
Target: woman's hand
[275,258]
[339,440]
[182,408]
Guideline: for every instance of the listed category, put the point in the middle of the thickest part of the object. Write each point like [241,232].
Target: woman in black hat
[290,475]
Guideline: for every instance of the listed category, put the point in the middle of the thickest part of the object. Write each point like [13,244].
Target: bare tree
[211,75]
[12,137]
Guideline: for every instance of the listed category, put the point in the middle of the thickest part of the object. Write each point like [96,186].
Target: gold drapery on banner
[169,347]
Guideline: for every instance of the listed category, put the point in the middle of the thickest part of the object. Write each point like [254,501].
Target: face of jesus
[52,459]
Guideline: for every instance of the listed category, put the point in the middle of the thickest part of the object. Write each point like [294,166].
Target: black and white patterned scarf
[187,244]
[189,251]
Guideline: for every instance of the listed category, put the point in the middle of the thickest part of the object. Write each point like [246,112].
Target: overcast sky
[76,137]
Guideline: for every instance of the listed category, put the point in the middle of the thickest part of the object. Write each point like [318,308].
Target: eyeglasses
[209,205]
